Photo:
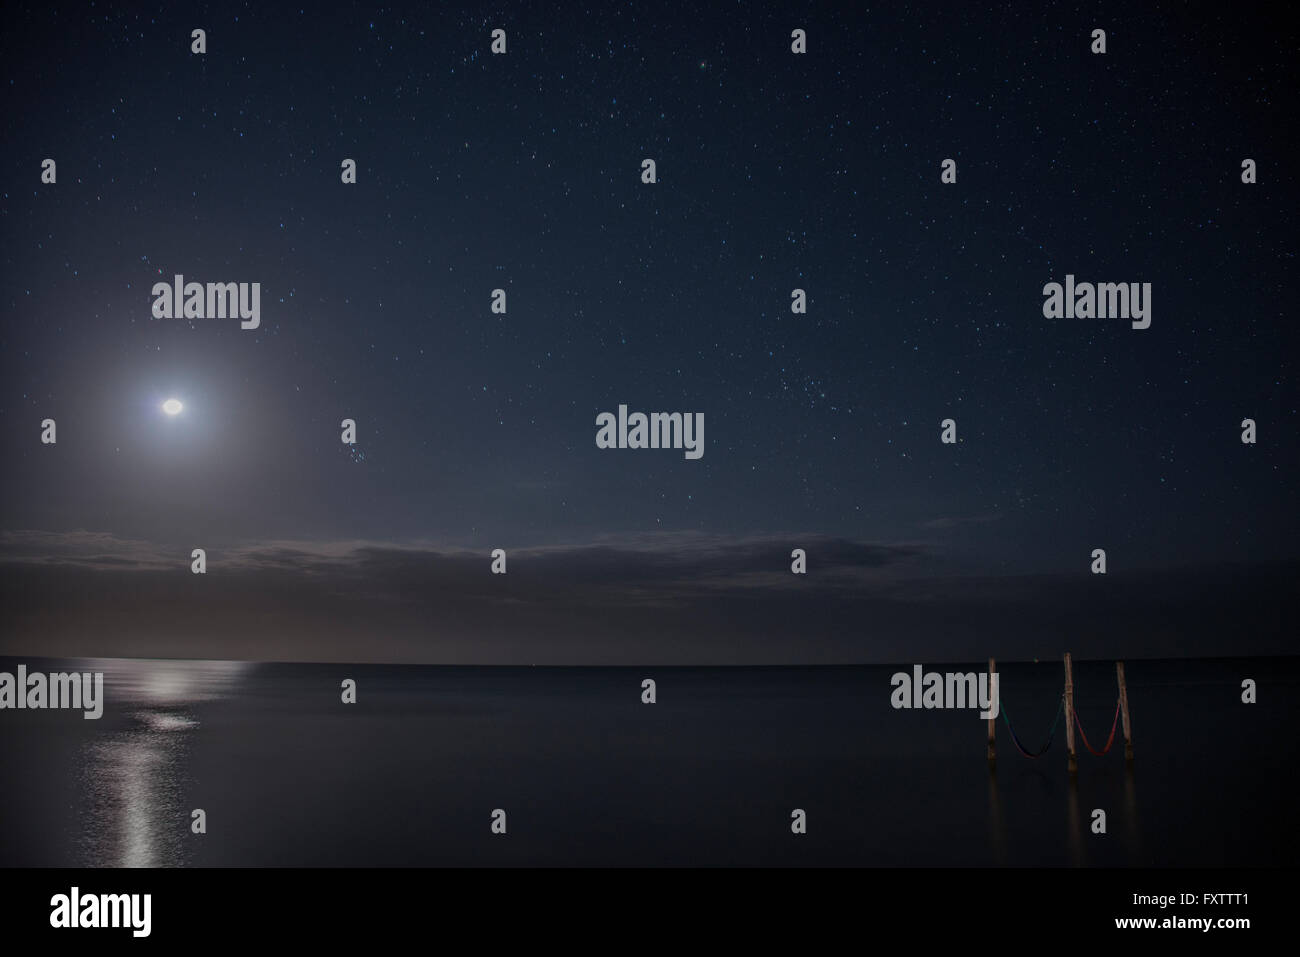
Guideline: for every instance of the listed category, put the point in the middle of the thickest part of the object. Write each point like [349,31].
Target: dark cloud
[680,599]
[81,548]
[664,567]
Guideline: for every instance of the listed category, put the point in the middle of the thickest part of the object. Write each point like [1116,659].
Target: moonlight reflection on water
[134,778]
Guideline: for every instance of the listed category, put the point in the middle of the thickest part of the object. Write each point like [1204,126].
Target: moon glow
[172,406]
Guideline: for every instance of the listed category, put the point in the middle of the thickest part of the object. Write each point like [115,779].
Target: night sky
[477,430]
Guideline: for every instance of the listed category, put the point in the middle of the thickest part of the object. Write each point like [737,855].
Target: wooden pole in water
[1123,711]
[993,726]
[1069,715]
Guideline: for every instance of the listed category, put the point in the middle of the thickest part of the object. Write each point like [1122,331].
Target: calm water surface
[588,775]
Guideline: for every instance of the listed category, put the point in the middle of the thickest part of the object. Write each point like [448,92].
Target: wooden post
[1069,715]
[1123,711]
[993,724]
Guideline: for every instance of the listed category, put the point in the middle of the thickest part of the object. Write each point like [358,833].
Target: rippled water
[132,771]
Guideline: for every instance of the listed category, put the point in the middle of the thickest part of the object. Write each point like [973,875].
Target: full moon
[172,406]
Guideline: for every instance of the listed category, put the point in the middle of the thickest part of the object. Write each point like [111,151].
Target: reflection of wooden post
[1069,715]
[993,726]
[1123,711]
